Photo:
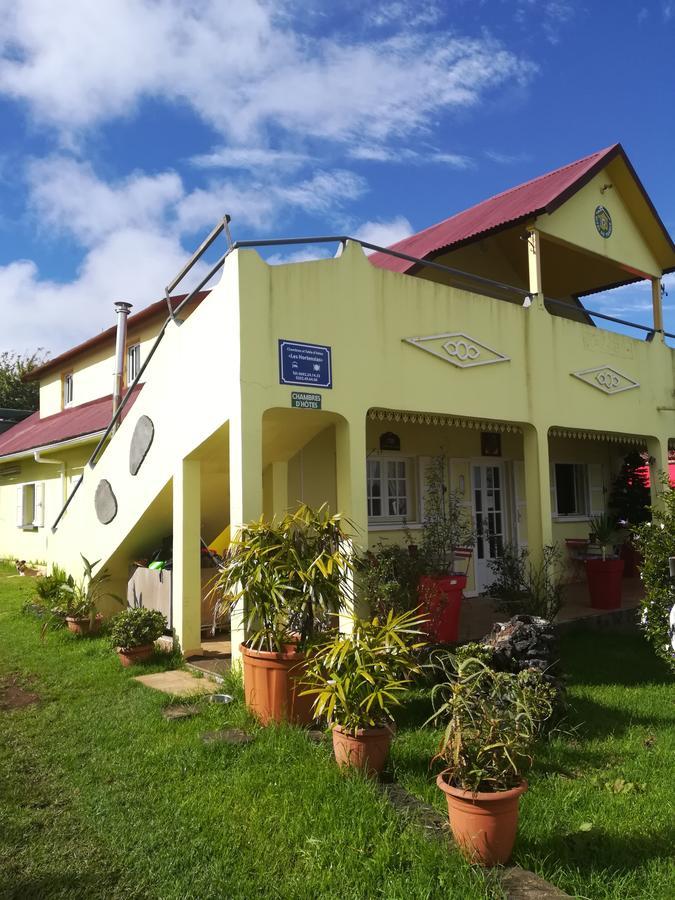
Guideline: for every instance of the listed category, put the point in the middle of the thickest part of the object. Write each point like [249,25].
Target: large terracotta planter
[441,598]
[604,582]
[273,685]
[129,656]
[84,626]
[484,824]
[367,750]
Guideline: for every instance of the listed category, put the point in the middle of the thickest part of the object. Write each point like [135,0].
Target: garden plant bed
[102,797]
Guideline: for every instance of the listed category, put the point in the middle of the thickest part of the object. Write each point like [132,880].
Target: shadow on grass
[586,660]
[89,885]
[596,850]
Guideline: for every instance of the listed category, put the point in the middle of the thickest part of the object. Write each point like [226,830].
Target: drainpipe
[37,456]
[122,310]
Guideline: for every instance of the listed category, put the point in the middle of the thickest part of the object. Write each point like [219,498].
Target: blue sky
[128,127]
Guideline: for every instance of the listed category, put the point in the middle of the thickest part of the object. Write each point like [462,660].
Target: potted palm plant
[357,680]
[293,575]
[493,720]
[79,601]
[134,632]
[447,528]
[604,574]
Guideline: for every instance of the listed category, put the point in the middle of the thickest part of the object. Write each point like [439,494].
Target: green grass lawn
[101,797]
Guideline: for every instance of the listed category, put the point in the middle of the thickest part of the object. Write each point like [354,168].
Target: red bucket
[604,582]
[441,598]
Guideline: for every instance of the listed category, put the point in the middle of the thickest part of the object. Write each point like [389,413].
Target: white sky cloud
[383,233]
[242,69]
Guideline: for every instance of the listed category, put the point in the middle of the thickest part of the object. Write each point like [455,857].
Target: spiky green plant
[359,678]
[292,573]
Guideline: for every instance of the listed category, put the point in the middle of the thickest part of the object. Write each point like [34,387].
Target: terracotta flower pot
[441,599]
[128,656]
[368,749]
[83,626]
[604,582]
[273,684]
[484,824]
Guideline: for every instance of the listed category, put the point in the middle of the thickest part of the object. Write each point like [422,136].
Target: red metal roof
[77,421]
[542,194]
[155,310]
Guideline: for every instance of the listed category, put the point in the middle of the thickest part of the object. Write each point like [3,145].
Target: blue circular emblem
[603,221]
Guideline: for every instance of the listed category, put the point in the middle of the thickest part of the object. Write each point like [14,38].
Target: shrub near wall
[656,542]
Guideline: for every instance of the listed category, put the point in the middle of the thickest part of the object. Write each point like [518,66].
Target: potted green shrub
[604,574]
[134,631]
[389,576]
[447,528]
[358,679]
[79,601]
[293,575]
[492,722]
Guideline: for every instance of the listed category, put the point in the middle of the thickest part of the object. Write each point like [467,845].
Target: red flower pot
[368,749]
[129,656]
[84,626]
[273,685]
[441,599]
[604,582]
[483,824]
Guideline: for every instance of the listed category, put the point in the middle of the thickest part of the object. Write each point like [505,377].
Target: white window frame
[133,361]
[386,519]
[68,390]
[30,505]
[576,516]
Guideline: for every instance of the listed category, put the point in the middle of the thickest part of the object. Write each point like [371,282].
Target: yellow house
[338,379]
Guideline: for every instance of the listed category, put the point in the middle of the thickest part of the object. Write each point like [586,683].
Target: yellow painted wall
[311,472]
[31,544]
[574,222]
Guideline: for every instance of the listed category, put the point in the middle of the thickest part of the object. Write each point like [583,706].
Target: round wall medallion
[603,221]
[105,502]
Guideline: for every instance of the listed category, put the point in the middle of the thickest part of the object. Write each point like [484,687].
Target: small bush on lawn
[137,627]
[656,542]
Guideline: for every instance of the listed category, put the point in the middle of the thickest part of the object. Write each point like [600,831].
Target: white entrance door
[489,506]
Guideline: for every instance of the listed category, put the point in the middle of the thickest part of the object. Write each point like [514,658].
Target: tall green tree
[14,392]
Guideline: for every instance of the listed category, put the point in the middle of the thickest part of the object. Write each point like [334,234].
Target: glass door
[490,518]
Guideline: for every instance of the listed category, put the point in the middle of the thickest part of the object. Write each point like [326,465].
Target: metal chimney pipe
[122,310]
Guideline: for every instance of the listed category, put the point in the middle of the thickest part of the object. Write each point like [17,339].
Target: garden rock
[525,642]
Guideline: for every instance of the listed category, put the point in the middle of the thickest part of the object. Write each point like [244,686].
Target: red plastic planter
[441,598]
[604,582]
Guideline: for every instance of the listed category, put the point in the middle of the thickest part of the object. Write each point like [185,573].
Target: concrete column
[279,488]
[537,491]
[657,304]
[657,448]
[350,456]
[246,493]
[534,266]
[186,576]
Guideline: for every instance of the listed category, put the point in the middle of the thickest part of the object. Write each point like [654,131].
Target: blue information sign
[305,364]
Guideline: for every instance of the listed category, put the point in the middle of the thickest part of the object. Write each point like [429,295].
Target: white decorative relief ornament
[607,379]
[459,349]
